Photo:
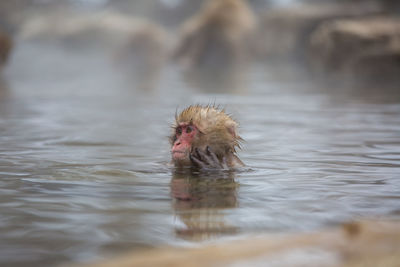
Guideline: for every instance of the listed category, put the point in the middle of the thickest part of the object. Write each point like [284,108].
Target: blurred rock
[283,33]
[366,48]
[5,48]
[216,36]
[366,243]
[391,6]
[11,13]
[104,28]
[138,48]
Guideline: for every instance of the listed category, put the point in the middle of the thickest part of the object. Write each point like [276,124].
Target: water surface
[84,158]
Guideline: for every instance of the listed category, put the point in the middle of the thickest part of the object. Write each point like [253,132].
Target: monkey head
[203,127]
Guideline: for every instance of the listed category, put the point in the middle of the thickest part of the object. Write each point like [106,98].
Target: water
[84,158]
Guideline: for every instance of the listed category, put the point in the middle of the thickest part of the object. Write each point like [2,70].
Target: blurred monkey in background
[218,35]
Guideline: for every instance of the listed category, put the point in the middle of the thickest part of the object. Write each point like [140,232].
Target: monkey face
[185,135]
[204,136]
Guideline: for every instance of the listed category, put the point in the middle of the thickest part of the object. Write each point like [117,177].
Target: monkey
[216,36]
[205,137]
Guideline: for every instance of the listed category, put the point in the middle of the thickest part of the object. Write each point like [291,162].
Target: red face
[185,134]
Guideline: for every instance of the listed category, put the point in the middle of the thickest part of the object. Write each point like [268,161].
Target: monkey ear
[231,127]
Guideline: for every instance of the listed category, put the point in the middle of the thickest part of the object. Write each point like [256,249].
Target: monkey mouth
[178,154]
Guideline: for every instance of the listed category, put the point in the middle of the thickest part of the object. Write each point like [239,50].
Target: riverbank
[365,243]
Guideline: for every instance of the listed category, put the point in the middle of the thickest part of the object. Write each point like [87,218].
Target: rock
[105,29]
[366,48]
[365,243]
[283,33]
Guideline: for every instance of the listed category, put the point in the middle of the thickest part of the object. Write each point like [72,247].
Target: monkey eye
[189,129]
[179,131]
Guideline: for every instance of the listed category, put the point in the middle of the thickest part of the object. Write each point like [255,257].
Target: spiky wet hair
[217,129]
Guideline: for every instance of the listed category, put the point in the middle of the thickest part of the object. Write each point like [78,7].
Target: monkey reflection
[5,48]
[217,35]
[230,79]
[4,92]
[199,203]
[6,45]
[214,43]
[144,54]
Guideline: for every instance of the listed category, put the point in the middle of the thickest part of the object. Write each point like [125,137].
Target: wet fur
[217,129]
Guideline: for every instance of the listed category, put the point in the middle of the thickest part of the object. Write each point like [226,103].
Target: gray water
[84,156]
